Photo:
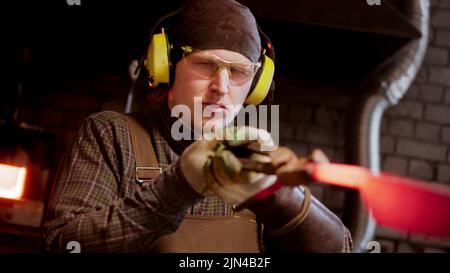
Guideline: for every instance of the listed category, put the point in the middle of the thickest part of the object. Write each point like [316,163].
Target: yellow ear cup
[262,87]
[157,62]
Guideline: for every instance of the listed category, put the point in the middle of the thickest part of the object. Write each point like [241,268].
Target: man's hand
[290,169]
[287,166]
[213,166]
[192,162]
[239,166]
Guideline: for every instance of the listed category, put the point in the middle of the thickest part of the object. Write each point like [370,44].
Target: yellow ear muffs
[263,82]
[157,62]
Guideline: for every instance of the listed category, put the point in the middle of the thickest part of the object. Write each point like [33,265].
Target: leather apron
[237,233]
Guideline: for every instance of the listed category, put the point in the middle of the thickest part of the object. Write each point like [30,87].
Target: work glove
[214,165]
[289,169]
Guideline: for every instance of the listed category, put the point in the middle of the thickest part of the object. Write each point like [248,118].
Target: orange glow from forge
[12,181]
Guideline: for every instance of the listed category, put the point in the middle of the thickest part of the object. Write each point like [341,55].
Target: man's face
[220,92]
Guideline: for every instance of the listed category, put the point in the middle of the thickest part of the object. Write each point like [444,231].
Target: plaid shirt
[98,203]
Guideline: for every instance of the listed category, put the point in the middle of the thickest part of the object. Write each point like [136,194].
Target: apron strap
[146,162]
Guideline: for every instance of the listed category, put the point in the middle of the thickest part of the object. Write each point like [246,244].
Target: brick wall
[416,132]
[314,116]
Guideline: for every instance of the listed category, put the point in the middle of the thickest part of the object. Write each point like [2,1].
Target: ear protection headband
[160,69]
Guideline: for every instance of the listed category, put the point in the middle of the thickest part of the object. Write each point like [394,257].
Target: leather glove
[287,166]
[212,168]
[292,172]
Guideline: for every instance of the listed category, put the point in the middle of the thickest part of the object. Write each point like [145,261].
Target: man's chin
[213,123]
[209,125]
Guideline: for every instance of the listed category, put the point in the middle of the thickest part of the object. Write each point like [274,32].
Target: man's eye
[241,72]
[203,62]
[206,65]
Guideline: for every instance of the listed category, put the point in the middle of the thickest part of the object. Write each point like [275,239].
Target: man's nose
[221,80]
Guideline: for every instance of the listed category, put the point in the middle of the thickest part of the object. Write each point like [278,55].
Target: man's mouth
[214,106]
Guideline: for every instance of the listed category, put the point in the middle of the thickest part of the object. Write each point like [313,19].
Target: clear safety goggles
[208,65]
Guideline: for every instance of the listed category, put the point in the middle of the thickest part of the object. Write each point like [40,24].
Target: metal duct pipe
[382,89]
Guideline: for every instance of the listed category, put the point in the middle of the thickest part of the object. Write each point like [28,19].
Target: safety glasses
[207,65]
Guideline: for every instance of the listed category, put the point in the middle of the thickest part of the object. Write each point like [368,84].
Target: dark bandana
[218,24]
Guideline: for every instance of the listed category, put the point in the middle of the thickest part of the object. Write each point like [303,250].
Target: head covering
[217,24]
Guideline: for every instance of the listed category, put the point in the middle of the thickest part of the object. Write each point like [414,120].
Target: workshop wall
[415,137]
